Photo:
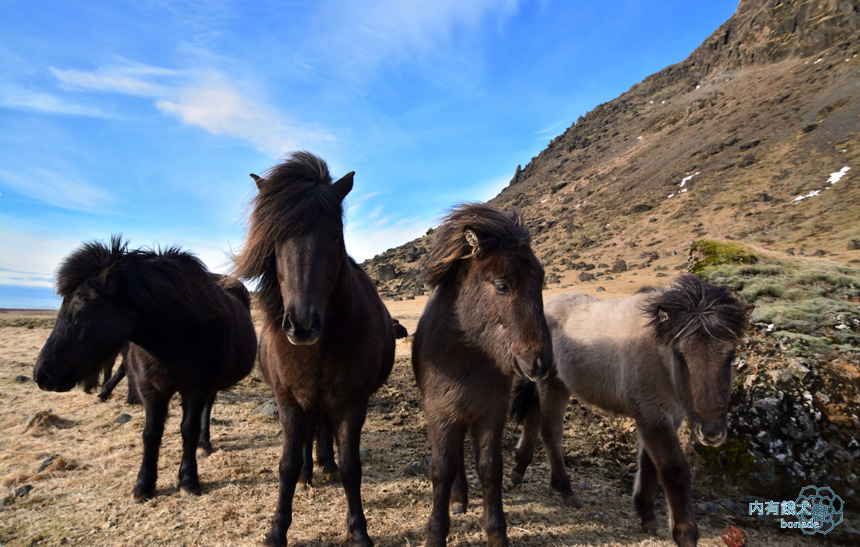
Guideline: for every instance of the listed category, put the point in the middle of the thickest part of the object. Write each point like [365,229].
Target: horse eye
[502,286]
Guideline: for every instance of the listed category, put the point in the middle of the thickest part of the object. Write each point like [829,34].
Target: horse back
[604,351]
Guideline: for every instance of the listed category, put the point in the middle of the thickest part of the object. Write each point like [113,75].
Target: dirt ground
[80,465]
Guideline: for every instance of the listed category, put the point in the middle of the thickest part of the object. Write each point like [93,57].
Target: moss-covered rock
[796,392]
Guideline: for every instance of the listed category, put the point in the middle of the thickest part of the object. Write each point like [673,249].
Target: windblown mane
[692,307]
[293,196]
[88,261]
[168,282]
[495,230]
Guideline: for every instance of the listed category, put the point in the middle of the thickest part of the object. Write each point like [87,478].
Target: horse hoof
[458,508]
[649,527]
[186,492]
[138,495]
[301,487]
[204,451]
[572,501]
[361,540]
[332,476]
[270,541]
[517,478]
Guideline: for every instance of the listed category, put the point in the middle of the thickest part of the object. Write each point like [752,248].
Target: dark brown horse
[327,341]
[483,324]
[658,356]
[187,334]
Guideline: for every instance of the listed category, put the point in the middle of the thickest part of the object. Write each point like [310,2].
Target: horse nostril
[42,377]
[540,369]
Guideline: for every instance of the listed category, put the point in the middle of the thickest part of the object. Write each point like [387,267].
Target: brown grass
[82,496]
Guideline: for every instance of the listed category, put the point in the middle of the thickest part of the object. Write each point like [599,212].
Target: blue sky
[145,117]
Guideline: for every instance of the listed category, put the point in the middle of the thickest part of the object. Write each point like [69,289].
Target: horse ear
[259,180]
[471,239]
[662,315]
[344,185]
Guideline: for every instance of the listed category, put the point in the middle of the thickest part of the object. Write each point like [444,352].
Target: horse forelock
[495,230]
[294,197]
[690,307]
[86,262]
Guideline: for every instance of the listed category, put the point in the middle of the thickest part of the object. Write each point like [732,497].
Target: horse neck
[169,338]
[453,303]
[341,301]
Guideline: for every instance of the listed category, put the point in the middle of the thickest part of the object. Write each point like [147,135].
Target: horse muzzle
[302,333]
[711,434]
[534,368]
[47,382]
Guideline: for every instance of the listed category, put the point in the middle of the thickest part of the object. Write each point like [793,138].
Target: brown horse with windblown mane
[483,324]
[327,341]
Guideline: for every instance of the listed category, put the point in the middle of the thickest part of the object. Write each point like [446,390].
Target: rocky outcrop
[795,409]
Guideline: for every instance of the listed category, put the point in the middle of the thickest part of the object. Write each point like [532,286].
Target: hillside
[721,145]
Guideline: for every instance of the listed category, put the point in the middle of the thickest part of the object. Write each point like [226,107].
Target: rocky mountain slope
[754,137]
[751,144]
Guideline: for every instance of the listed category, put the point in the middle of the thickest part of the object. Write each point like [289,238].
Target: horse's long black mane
[691,307]
[169,282]
[494,228]
[293,197]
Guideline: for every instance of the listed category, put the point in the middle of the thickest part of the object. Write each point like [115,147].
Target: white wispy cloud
[28,259]
[19,98]
[59,189]
[362,36]
[203,99]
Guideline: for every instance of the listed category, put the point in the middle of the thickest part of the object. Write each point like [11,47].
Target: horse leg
[325,447]
[133,397]
[204,443]
[107,371]
[90,382]
[673,471]
[295,426]
[155,406]
[348,434]
[193,409]
[460,492]
[109,386]
[526,444]
[128,364]
[307,473]
[446,445]
[645,490]
[553,400]
[488,455]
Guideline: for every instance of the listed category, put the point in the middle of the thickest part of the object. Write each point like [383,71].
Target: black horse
[187,332]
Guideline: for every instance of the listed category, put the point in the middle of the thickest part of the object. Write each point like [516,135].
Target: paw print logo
[820,508]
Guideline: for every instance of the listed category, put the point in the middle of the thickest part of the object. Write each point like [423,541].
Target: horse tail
[525,398]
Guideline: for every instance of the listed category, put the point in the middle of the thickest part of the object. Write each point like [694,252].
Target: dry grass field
[67,467]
